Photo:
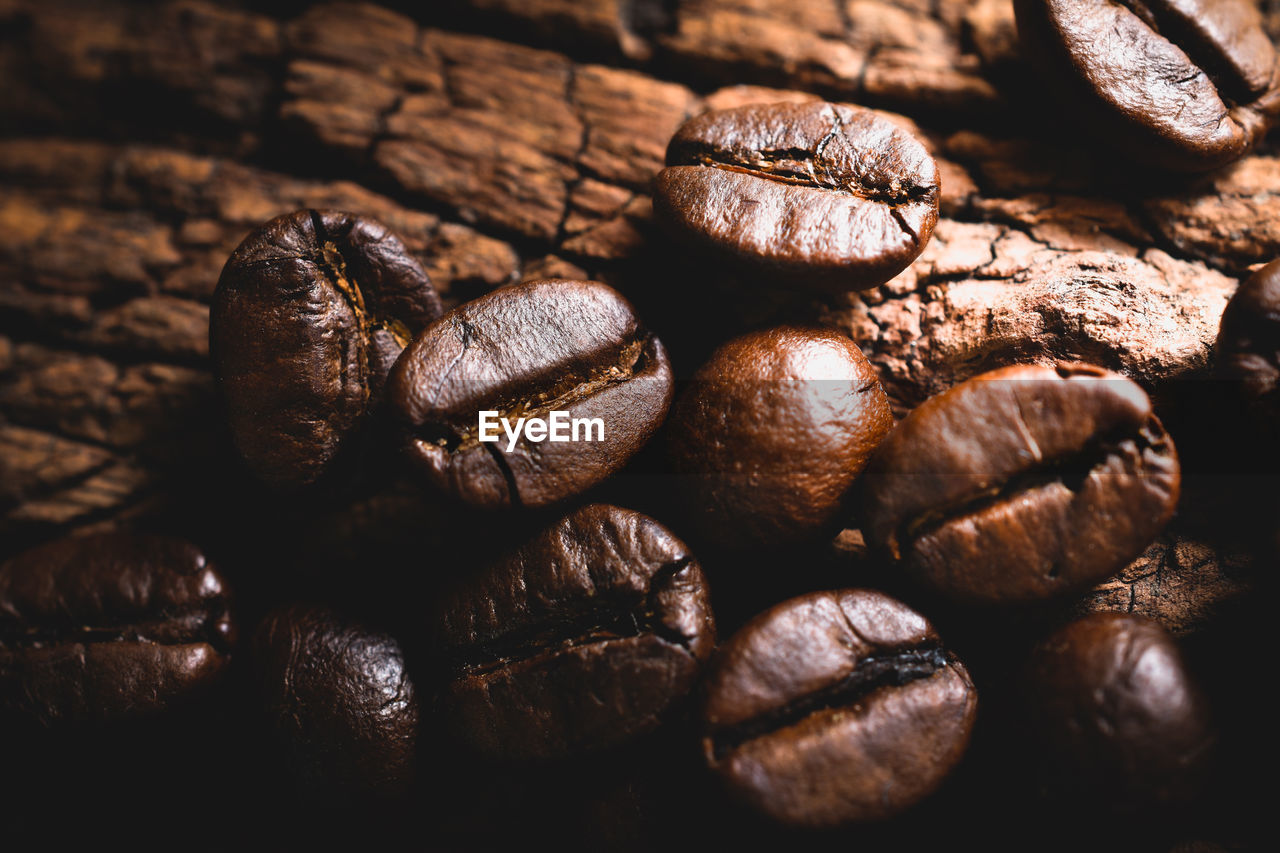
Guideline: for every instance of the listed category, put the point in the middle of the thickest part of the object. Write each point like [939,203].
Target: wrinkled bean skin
[825,196]
[1122,720]
[524,350]
[309,314]
[836,708]
[1023,484]
[1248,348]
[582,638]
[339,701]
[1188,84]
[110,627]
[772,432]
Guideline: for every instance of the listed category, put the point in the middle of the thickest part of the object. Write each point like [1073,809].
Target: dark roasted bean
[527,351]
[822,195]
[1189,84]
[1248,346]
[1022,484]
[583,637]
[310,313]
[109,627]
[339,701]
[773,430]
[835,708]
[1122,721]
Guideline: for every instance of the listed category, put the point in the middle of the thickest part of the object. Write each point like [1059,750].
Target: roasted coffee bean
[1023,483]
[1248,346]
[834,708]
[773,430]
[1188,84]
[339,701]
[1122,720]
[581,638]
[527,352]
[310,313]
[823,195]
[109,627]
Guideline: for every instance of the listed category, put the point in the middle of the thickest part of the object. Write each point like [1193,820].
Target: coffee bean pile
[570,626]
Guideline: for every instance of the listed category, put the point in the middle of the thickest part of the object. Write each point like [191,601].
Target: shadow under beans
[141,783]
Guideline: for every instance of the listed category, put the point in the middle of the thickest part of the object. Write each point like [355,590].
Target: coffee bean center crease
[575,385]
[334,267]
[601,623]
[811,168]
[891,669]
[169,628]
[1070,471]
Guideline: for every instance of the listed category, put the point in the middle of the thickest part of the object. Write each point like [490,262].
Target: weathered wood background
[503,139]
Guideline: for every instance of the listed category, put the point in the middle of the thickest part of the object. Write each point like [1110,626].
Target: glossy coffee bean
[821,195]
[1121,719]
[1023,484]
[1188,84]
[581,638]
[772,432]
[339,702]
[109,627]
[525,351]
[1248,349]
[310,313]
[835,708]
